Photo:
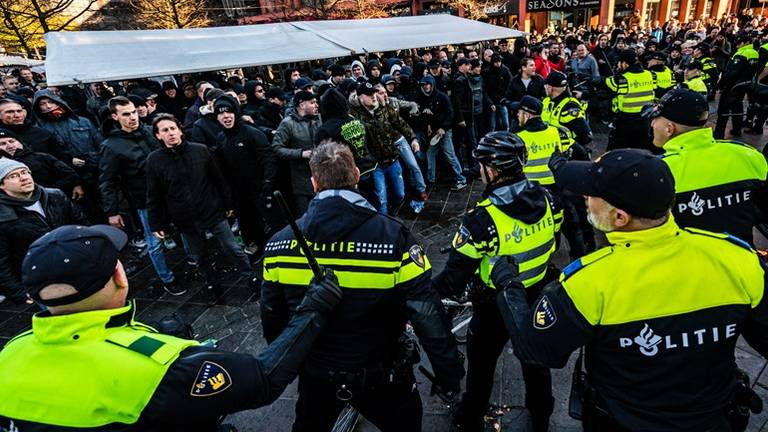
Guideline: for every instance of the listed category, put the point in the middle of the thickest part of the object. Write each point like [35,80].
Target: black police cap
[632,180]
[80,256]
[680,105]
[528,104]
[556,79]
[658,55]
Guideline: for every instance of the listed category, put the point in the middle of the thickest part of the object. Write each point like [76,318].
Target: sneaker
[251,249]
[417,206]
[169,243]
[139,243]
[2,298]
[458,186]
[174,289]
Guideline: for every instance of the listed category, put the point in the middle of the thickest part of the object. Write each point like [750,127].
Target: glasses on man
[17,175]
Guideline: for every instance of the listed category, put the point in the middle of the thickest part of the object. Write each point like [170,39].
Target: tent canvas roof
[9,60]
[114,55]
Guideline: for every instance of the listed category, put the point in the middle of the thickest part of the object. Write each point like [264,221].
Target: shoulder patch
[584,261]
[417,255]
[544,315]
[211,379]
[461,238]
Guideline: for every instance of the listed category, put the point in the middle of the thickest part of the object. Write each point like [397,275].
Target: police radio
[313,265]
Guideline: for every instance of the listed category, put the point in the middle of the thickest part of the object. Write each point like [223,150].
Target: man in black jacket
[526,83]
[15,118]
[496,79]
[206,129]
[122,161]
[49,171]
[185,187]
[250,165]
[27,211]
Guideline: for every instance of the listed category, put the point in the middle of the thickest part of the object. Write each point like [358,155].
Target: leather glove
[323,295]
[505,272]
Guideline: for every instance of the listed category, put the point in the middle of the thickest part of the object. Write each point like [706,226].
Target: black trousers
[631,132]
[487,337]
[731,105]
[392,407]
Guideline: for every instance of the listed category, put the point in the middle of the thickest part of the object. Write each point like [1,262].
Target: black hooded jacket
[341,127]
[206,130]
[363,330]
[38,139]
[122,163]
[47,170]
[19,227]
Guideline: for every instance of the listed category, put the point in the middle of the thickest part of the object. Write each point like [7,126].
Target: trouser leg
[317,407]
[392,407]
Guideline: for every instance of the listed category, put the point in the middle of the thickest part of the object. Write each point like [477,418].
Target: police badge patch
[211,379]
[544,316]
[461,238]
[417,255]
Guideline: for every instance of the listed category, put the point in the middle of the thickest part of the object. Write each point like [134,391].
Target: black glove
[556,161]
[504,272]
[323,295]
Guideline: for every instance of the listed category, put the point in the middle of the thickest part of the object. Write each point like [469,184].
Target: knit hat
[225,103]
[303,96]
[9,165]
[212,94]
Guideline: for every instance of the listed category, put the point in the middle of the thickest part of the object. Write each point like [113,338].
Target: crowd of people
[352,143]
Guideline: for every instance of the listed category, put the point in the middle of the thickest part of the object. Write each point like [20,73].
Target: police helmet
[503,151]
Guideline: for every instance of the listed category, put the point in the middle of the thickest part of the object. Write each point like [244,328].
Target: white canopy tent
[114,55]
[9,60]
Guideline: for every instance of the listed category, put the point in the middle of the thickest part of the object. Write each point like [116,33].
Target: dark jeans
[486,340]
[392,407]
[731,106]
[465,140]
[198,252]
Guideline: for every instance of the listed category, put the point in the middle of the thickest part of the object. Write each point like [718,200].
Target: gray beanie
[8,165]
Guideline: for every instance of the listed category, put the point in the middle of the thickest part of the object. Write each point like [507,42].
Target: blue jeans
[500,117]
[414,171]
[155,248]
[389,179]
[194,245]
[445,146]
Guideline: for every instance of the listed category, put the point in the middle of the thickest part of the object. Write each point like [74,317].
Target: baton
[313,265]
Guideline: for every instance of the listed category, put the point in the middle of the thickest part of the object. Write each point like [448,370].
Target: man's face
[396,76]
[226,119]
[426,57]
[503,46]
[390,87]
[554,49]
[434,71]
[168,132]
[487,54]
[375,72]
[18,182]
[309,108]
[581,51]
[142,111]
[10,145]
[127,117]
[189,92]
[27,75]
[477,71]
[202,89]
[620,45]
[3,91]
[464,68]
[295,75]
[259,92]
[47,105]
[367,101]
[337,79]
[12,84]
[12,114]
[472,55]
[357,71]
[497,64]
[427,88]
[600,214]
[674,54]
[602,42]
[442,56]
[382,95]
[529,68]
[171,93]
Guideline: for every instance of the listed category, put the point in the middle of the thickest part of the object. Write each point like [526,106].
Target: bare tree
[171,14]
[473,9]
[26,21]
[365,9]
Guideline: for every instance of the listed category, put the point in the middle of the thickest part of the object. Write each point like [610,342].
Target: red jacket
[542,66]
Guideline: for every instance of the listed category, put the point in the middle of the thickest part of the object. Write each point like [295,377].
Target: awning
[7,60]
[92,56]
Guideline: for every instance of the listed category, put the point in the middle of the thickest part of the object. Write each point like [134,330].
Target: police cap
[628,56]
[694,64]
[658,55]
[556,79]
[632,180]
[528,104]
[80,256]
[680,105]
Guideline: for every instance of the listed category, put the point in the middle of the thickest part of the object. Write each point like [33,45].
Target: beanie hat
[212,94]
[225,103]
[9,165]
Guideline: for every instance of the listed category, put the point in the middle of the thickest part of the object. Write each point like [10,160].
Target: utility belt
[584,403]
[351,382]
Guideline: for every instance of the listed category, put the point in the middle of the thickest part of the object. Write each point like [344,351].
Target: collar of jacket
[505,192]
[352,197]
[9,204]
[697,138]
[535,124]
[565,94]
[175,149]
[635,68]
[91,325]
[651,236]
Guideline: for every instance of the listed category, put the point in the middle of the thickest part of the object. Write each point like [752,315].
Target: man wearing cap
[658,311]
[294,141]
[693,78]
[27,211]
[463,116]
[657,64]
[740,68]
[541,139]
[633,88]
[270,114]
[122,172]
[516,217]
[701,53]
[720,185]
[442,80]
[127,375]
[205,130]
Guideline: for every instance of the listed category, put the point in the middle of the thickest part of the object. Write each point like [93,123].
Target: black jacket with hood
[363,330]
[439,104]
[19,227]
[122,163]
[342,128]
[185,186]
[39,139]
[47,170]
[206,130]
[77,134]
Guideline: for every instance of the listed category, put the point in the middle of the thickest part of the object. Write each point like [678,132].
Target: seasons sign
[552,5]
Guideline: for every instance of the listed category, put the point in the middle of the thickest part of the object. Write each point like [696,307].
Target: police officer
[693,78]
[708,68]
[517,218]
[633,88]
[386,281]
[122,374]
[665,80]
[658,311]
[719,184]
[741,68]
